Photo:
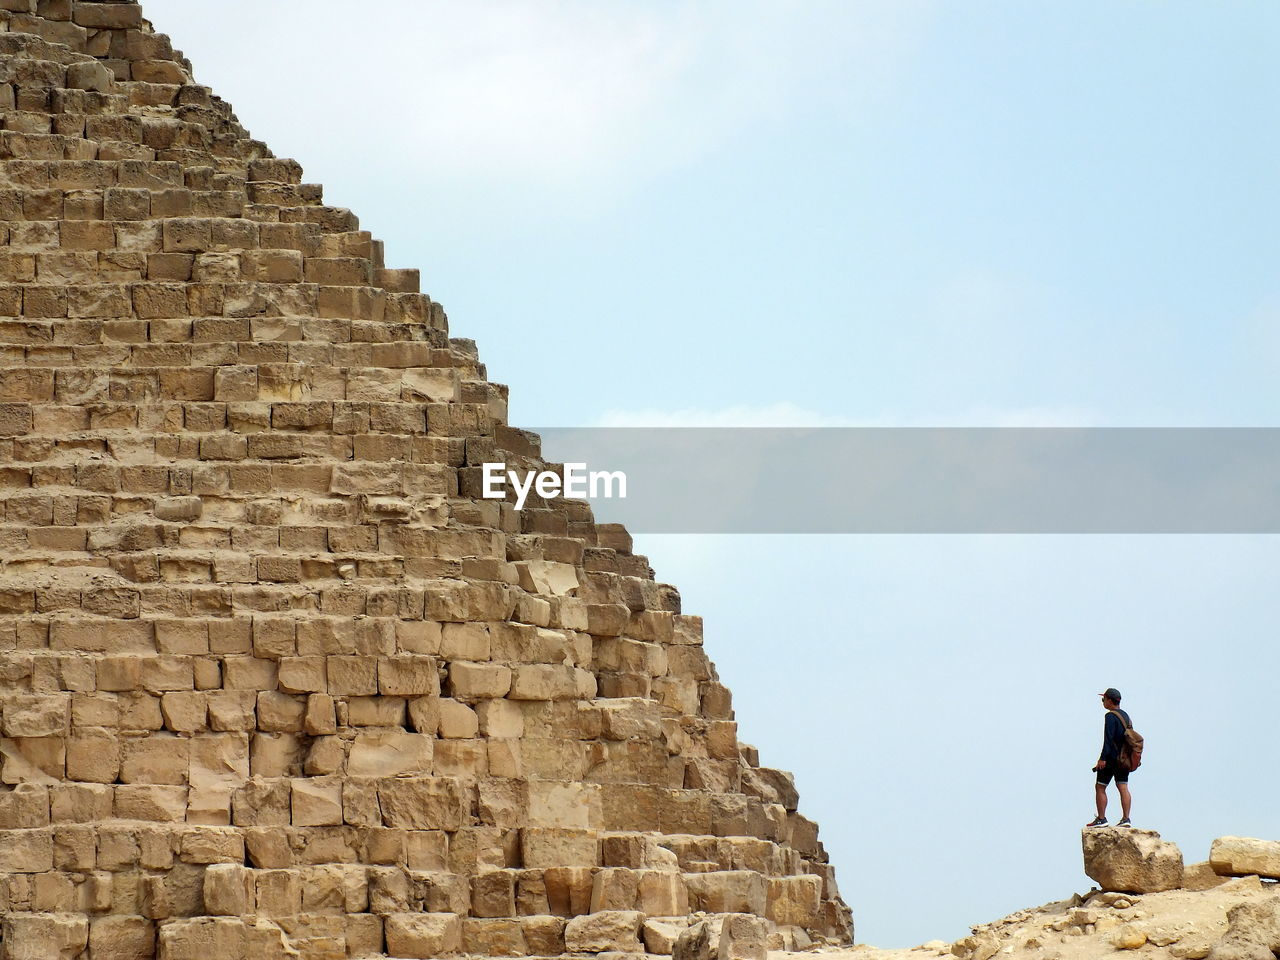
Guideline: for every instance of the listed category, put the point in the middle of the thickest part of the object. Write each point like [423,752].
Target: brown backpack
[1131,752]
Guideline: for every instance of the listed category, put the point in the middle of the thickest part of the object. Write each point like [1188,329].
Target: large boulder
[1245,856]
[1132,861]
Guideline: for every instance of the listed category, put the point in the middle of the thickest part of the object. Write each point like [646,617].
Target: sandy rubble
[1182,924]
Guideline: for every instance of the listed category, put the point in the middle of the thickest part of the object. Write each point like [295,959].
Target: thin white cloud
[576,96]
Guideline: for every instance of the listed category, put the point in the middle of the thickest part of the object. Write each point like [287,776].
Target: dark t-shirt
[1113,735]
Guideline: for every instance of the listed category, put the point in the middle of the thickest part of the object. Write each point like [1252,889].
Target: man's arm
[1112,731]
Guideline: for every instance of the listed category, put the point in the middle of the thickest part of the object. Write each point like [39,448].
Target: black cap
[1112,694]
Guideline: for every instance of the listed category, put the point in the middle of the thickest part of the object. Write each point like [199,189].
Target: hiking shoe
[1097,822]
[1124,823]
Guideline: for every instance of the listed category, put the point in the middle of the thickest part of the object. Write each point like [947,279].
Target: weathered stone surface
[736,936]
[1201,876]
[44,936]
[424,935]
[605,931]
[1130,860]
[1243,856]
[122,937]
[1253,932]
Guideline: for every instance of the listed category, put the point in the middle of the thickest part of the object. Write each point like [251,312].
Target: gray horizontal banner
[923,480]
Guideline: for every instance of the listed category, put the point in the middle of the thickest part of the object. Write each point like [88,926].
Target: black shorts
[1113,769]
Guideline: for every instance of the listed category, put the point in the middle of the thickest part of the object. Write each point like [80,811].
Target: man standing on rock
[1108,764]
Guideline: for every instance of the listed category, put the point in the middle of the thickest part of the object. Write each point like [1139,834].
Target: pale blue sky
[898,211]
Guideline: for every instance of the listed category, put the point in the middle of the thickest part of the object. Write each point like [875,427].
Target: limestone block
[265,940]
[418,636]
[503,802]
[333,889]
[316,802]
[423,935]
[278,893]
[1134,861]
[568,890]
[408,676]
[606,931]
[228,890]
[478,681]
[89,76]
[660,933]
[80,802]
[543,935]
[26,851]
[465,641]
[352,676]
[210,844]
[493,938]
[500,719]
[321,717]
[475,850]
[559,847]
[267,848]
[795,901]
[457,720]
[232,710]
[260,803]
[375,712]
[121,937]
[662,893]
[543,681]
[360,803]
[156,759]
[33,760]
[364,935]
[631,718]
[615,888]
[493,894]
[37,716]
[558,803]
[547,578]
[424,803]
[468,759]
[426,850]
[24,807]
[275,755]
[390,753]
[734,937]
[44,936]
[155,802]
[327,755]
[1245,856]
[280,712]
[302,675]
[637,851]
[219,763]
[728,891]
[202,938]
[184,711]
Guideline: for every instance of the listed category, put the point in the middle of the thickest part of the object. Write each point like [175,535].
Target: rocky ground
[1234,919]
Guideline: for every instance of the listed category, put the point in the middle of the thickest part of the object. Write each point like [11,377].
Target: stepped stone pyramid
[275,681]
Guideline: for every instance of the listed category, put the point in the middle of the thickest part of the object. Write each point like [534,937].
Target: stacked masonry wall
[273,677]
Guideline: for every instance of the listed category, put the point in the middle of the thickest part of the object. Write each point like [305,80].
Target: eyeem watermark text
[577,483]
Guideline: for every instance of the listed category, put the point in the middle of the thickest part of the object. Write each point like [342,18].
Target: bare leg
[1126,801]
[1101,791]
